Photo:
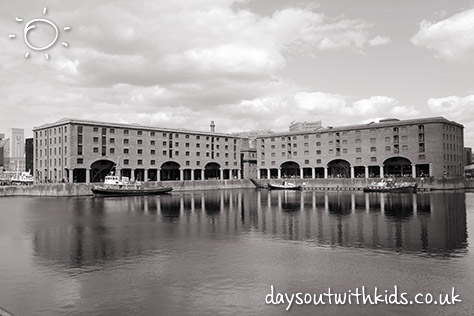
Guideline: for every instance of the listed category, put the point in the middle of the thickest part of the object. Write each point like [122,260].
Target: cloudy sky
[246,64]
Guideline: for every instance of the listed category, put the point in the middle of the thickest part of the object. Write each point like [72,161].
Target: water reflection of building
[92,231]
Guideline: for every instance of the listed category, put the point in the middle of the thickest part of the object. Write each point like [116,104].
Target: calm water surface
[218,253]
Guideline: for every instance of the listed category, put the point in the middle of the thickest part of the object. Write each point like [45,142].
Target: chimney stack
[213,127]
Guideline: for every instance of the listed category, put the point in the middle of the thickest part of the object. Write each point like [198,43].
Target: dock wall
[82,189]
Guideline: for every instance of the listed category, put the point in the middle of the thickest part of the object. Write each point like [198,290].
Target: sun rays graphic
[31,25]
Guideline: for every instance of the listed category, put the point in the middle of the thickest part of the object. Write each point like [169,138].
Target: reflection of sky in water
[222,250]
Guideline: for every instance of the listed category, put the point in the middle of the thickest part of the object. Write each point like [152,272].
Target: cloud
[460,109]
[452,39]
[453,106]
[171,63]
[379,40]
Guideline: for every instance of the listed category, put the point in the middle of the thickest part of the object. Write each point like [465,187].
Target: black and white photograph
[236,157]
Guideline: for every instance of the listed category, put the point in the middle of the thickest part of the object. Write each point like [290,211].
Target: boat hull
[404,189]
[129,192]
[282,187]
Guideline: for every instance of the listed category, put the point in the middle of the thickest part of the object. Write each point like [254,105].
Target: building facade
[304,126]
[86,151]
[29,167]
[13,150]
[416,148]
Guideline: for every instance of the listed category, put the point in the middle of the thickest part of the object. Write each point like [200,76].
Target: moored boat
[388,185]
[24,178]
[115,186]
[284,186]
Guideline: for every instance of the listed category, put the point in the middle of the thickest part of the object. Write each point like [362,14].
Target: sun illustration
[31,25]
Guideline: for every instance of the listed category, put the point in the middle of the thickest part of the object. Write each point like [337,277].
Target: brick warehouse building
[416,147]
[86,151]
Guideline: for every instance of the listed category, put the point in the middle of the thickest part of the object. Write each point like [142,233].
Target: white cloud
[171,63]
[453,106]
[452,39]
[379,40]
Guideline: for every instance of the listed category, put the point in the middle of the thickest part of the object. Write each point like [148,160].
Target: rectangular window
[139,151]
[140,162]
[152,143]
[318,161]
[126,141]
[95,139]
[152,152]
[140,141]
[125,131]
[126,161]
[95,150]
[112,131]
[358,150]
[112,150]
[112,141]
[387,148]
[373,159]
[139,133]
[80,160]
[421,147]
[96,129]
[152,162]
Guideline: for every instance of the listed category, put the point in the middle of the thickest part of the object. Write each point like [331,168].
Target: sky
[245,64]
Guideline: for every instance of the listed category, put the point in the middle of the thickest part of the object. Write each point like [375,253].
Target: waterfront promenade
[83,189]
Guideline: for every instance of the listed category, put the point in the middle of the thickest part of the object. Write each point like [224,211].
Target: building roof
[383,123]
[129,126]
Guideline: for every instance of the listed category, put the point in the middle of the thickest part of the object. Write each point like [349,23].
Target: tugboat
[284,186]
[388,185]
[115,186]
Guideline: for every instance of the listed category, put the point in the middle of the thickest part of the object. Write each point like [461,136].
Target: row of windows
[56,151]
[51,131]
[52,162]
[153,152]
[421,138]
[126,162]
[51,141]
[126,141]
[170,135]
[395,130]
[396,148]
[451,147]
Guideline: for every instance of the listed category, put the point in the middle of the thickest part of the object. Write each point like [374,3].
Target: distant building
[3,143]
[305,126]
[467,156]
[86,151]
[14,150]
[416,148]
[29,155]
